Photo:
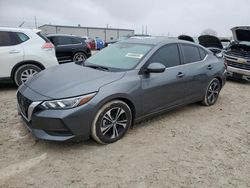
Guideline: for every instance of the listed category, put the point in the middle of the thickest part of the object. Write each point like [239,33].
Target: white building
[106,34]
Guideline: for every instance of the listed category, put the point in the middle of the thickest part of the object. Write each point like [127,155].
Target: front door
[167,89]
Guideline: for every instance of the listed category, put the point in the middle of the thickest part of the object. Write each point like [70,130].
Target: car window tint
[167,55]
[190,53]
[203,53]
[22,37]
[64,40]
[8,38]
[75,41]
[53,40]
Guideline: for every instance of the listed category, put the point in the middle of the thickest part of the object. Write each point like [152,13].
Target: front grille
[238,54]
[24,104]
[239,65]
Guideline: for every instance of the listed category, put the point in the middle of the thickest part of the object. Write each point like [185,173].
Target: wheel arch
[25,63]
[124,99]
[220,80]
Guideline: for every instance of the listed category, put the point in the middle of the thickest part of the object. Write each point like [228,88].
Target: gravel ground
[194,146]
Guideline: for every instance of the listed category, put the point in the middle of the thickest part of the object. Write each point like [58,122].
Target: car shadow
[7,86]
[239,81]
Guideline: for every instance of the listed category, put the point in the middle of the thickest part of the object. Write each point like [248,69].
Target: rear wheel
[24,72]
[79,57]
[111,122]
[212,93]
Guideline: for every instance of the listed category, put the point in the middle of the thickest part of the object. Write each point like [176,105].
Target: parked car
[99,43]
[90,42]
[212,43]
[70,48]
[237,55]
[23,53]
[123,83]
[225,42]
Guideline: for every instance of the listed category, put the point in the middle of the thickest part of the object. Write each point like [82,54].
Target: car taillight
[48,45]
[225,63]
[88,45]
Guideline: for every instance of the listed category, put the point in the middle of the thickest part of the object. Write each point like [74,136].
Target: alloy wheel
[114,123]
[213,92]
[28,73]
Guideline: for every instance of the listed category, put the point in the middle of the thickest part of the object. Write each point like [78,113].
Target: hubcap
[27,74]
[114,123]
[213,92]
[79,57]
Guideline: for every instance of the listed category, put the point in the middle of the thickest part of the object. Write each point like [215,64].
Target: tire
[79,57]
[212,92]
[24,72]
[107,127]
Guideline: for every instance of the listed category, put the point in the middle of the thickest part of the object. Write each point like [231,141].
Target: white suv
[23,53]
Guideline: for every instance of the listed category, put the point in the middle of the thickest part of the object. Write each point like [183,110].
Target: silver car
[120,85]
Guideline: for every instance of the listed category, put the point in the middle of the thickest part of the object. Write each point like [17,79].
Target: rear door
[11,52]
[196,70]
[63,47]
[167,89]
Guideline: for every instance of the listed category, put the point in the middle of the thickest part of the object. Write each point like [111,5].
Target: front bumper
[245,73]
[58,125]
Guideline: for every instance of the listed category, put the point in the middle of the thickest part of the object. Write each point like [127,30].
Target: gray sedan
[124,83]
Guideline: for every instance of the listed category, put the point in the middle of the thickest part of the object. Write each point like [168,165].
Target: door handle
[180,75]
[210,67]
[14,52]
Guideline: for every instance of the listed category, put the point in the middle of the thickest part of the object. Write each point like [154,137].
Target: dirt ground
[194,146]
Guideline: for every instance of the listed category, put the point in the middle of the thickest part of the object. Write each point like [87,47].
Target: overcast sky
[162,17]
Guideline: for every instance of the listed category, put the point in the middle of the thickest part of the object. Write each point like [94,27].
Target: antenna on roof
[21,24]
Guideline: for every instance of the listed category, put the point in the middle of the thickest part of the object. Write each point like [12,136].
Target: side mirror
[155,68]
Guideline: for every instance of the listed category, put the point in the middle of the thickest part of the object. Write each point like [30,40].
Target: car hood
[70,80]
[186,37]
[241,33]
[209,41]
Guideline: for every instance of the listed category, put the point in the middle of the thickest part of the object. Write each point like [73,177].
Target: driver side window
[168,55]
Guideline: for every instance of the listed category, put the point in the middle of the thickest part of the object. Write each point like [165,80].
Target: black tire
[79,57]
[106,128]
[24,72]
[212,92]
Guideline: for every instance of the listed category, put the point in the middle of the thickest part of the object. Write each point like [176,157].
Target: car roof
[154,41]
[18,29]
[61,35]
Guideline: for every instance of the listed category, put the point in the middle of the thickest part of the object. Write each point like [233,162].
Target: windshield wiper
[97,67]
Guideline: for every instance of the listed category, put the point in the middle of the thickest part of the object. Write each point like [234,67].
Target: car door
[196,69]
[167,89]
[11,52]
[63,45]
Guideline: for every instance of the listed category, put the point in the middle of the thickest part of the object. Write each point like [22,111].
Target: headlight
[68,103]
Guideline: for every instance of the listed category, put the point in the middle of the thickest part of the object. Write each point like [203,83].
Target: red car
[90,42]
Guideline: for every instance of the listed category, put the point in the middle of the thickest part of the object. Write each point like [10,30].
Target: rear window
[191,53]
[43,37]
[203,53]
[75,41]
[9,38]
[61,40]
[22,37]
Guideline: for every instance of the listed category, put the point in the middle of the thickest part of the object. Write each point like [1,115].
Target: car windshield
[119,56]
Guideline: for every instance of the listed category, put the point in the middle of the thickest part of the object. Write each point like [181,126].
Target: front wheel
[24,72]
[111,122]
[212,93]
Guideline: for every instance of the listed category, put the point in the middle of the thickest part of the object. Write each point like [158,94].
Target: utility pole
[35,22]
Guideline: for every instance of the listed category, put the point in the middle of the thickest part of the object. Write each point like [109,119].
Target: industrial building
[106,34]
